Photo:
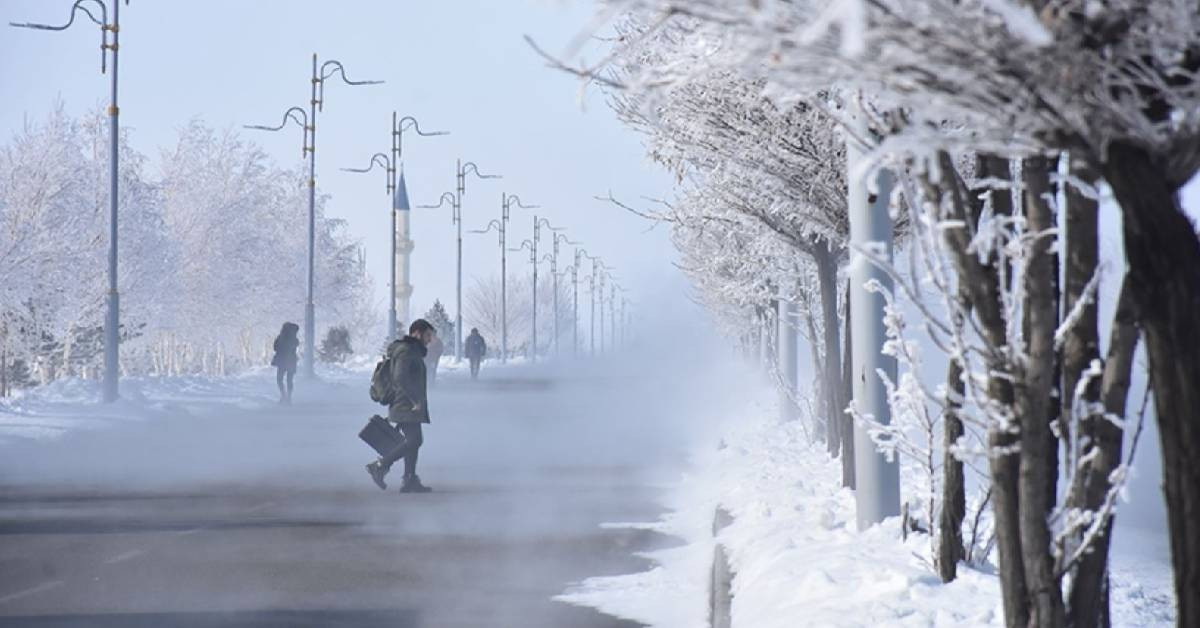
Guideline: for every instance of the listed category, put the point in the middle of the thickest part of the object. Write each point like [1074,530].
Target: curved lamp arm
[471,168]
[441,201]
[76,8]
[289,115]
[493,224]
[409,122]
[328,70]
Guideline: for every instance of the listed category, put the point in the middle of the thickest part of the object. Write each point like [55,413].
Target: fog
[219,500]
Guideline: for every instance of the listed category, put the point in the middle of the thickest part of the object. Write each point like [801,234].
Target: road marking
[261,506]
[120,558]
[45,586]
[187,532]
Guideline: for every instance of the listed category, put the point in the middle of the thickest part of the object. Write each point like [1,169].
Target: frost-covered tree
[1113,83]
[212,252]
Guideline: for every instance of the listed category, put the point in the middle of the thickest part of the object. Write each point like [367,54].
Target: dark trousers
[407,449]
[475,366]
[279,377]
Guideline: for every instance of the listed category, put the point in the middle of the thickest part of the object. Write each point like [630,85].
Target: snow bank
[798,559]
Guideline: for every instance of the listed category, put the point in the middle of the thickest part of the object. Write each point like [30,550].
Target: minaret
[404,249]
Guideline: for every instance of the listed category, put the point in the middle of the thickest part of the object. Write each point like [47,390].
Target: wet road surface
[252,514]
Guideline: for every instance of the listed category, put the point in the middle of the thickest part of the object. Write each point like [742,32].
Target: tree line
[213,253]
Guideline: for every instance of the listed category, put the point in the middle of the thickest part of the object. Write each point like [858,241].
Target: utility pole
[553,257]
[877,493]
[624,323]
[601,292]
[538,223]
[398,192]
[112,318]
[507,202]
[461,171]
[316,103]
[575,306]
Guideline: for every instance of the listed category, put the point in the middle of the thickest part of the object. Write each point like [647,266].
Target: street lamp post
[394,174]
[461,171]
[538,223]
[595,285]
[316,103]
[507,202]
[112,318]
[877,495]
[601,293]
[624,323]
[533,261]
[553,257]
[592,279]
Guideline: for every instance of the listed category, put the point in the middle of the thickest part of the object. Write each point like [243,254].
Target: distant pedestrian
[285,360]
[476,349]
[408,405]
[434,357]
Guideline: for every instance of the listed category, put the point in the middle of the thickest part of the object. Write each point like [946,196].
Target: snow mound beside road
[798,558]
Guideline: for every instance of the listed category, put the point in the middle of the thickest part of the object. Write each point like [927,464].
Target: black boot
[412,484]
[378,472]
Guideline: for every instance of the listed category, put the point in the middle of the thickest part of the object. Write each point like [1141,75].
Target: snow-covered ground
[50,411]
[799,560]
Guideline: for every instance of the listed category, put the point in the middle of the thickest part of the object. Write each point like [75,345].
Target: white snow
[799,560]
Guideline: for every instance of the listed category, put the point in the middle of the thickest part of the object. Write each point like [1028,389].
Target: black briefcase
[381,435]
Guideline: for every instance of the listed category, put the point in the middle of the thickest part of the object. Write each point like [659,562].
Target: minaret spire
[404,249]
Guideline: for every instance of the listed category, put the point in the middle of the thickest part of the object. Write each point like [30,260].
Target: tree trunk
[954,495]
[1081,347]
[980,280]
[1164,267]
[847,388]
[1088,596]
[1033,384]
[1082,343]
[831,379]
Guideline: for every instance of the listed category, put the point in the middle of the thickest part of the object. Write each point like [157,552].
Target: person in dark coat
[285,360]
[476,349]
[409,409]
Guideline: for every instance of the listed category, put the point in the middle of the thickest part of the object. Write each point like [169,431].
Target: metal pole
[503,281]
[310,322]
[554,273]
[877,495]
[601,313]
[592,316]
[392,192]
[112,321]
[612,317]
[456,209]
[533,259]
[624,323]
[575,307]
[394,166]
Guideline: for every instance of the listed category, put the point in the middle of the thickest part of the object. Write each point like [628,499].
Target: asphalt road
[239,512]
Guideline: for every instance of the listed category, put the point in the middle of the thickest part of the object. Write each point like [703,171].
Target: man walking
[476,348]
[408,406]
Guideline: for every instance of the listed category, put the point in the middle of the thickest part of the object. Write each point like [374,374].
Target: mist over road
[239,512]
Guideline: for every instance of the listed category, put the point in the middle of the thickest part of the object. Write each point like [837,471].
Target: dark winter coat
[475,346]
[411,404]
[286,345]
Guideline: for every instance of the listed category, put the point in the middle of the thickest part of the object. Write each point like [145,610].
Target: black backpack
[383,389]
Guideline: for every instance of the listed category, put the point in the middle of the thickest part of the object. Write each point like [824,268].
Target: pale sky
[457,65]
